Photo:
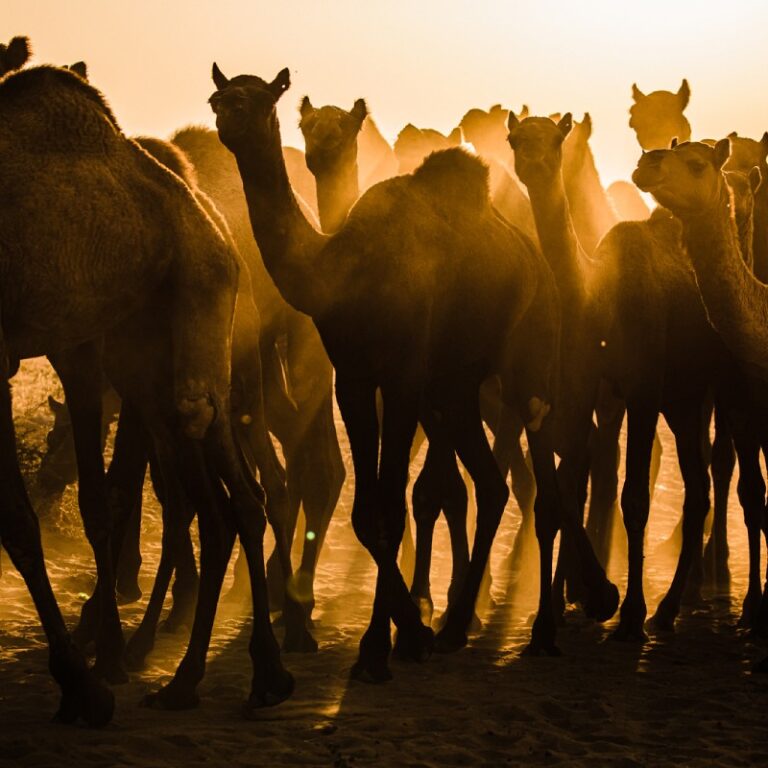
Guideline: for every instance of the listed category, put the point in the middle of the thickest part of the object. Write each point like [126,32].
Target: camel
[70,134]
[331,136]
[351,284]
[303,420]
[689,181]
[658,117]
[375,158]
[635,322]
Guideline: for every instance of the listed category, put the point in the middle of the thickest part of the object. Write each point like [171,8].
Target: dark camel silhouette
[377,337]
[689,181]
[635,321]
[14,55]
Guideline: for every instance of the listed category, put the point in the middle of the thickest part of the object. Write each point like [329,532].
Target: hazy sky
[419,61]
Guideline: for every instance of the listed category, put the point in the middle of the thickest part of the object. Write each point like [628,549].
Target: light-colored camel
[375,158]
[635,321]
[415,247]
[657,117]
[414,144]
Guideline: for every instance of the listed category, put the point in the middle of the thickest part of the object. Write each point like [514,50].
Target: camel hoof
[630,631]
[136,651]
[539,649]
[172,698]
[128,594]
[88,699]
[300,641]
[270,695]
[415,645]
[113,672]
[177,621]
[449,639]
[372,671]
[602,602]
[663,620]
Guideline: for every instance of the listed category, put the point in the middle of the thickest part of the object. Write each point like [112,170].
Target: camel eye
[696,167]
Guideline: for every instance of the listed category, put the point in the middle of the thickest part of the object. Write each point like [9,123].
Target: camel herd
[441,292]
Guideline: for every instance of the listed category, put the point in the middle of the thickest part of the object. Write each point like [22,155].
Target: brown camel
[369,288]
[689,181]
[302,422]
[635,321]
[71,141]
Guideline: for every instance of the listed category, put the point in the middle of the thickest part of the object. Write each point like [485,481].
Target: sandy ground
[685,699]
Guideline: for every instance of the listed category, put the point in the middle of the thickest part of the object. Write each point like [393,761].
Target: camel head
[747,154]
[538,146]
[658,117]
[14,55]
[487,131]
[330,135]
[245,109]
[414,144]
[687,179]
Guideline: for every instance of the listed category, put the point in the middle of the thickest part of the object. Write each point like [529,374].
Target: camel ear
[17,53]
[637,94]
[565,124]
[219,80]
[733,135]
[684,94]
[306,106]
[755,179]
[455,137]
[280,84]
[360,110]
[673,143]
[524,112]
[722,152]
[80,68]
[764,140]
[555,117]
[513,122]
[495,109]
[586,124]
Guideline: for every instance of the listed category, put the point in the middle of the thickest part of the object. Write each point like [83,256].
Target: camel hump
[171,156]
[454,176]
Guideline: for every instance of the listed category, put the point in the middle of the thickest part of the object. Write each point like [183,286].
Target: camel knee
[635,509]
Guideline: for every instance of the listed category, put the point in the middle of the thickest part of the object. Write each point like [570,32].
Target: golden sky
[419,61]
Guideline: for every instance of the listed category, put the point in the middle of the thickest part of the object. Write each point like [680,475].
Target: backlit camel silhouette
[372,319]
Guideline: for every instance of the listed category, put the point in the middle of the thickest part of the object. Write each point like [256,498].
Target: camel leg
[377,531]
[457,403]
[320,493]
[176,516]
[716,570]
[128,564]
[125,480]
[217,536]
[686,423]
[80,372]
[635,506]
[604,471]
[82,694]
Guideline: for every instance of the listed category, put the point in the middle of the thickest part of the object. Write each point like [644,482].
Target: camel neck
[760,234]
[337,192]
[289,244]
[736,303]
[558,239]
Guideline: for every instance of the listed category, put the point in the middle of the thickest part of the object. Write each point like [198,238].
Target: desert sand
[686,698]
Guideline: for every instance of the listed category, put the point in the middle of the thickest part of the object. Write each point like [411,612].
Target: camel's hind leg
[80,371]
[378,517]
[456,404]
[83,696]
[684,419]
